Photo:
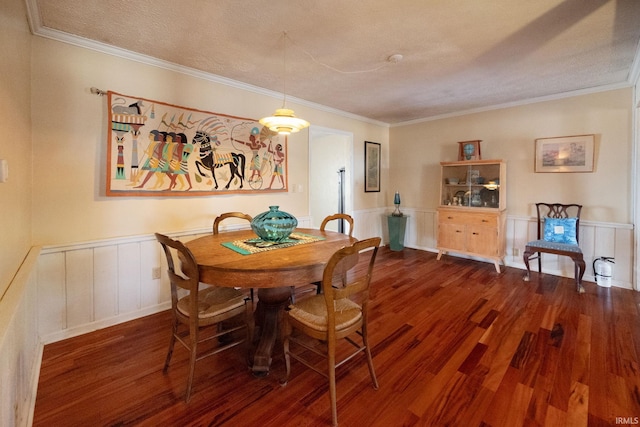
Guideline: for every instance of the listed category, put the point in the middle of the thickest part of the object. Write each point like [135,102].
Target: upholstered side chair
[558,233]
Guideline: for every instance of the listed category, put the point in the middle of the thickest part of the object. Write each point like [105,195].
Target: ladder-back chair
[225,309]
[340,217]
[226,215]
[222,217]
[318,286]
[340,312]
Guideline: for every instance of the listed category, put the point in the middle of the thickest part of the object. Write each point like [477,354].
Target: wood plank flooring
[454,344]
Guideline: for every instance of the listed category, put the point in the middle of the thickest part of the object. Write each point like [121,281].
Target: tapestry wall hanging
[158,149]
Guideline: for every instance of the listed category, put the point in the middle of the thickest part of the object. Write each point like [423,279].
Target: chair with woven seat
[318,287]
[222,217]
[225,309]
[335,217]
[340,312]
[558,231]
[226,215]
[339,216]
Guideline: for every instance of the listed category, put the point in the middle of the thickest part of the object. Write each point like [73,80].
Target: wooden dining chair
[317,286]
[340,217]
[340,312]
[226,215]
[222,217]
[558,233]
[201,315]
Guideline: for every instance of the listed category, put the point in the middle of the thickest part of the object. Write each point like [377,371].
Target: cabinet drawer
[466,218]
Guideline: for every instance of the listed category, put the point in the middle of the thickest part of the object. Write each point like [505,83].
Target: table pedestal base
[271,304]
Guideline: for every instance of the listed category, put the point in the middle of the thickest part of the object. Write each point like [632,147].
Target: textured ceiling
[458,55]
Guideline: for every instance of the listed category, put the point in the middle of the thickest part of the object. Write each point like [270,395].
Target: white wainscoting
[597,239]
[20,347]
[88,286]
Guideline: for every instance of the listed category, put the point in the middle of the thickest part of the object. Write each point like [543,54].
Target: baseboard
[105,323]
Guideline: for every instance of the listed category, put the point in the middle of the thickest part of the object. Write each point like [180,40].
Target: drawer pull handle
[475,234]
[449,217]
[484,220]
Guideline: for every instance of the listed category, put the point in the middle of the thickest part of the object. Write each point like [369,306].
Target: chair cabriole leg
[525,257]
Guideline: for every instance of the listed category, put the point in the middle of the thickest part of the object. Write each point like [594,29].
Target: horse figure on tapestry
[120,107]
[211,159]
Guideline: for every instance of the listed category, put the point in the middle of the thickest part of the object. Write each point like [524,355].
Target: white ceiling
[458,55]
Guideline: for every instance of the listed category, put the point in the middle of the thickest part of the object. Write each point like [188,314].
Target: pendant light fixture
[283,120]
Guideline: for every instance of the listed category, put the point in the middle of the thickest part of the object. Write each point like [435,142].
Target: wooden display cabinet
[472,211]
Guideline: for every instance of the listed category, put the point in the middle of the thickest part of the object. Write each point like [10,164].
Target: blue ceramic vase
[274,225]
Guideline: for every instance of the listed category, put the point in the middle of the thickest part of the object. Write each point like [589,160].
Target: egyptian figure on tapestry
[255,146]
[278,160]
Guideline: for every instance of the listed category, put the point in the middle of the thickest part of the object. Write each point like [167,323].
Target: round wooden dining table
[271,272]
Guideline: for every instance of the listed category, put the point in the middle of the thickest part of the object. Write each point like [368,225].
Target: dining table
[272,270]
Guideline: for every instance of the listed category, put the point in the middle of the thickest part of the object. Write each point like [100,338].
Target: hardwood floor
[454,344]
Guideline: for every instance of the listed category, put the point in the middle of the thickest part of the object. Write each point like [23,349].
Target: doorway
[330,174]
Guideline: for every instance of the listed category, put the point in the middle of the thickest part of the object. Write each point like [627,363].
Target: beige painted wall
[69,138]
[69,125]
[509,134]
[15,144]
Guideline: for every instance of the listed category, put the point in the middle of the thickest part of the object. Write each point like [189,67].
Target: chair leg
[579,273]
[539,262]
[525,257]
[287,361]
[172,343]
[192,368]
[250,330]
[331,362]
[194,336]
[372,372]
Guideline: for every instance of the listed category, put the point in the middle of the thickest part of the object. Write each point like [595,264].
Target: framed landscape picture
[371,166]
[565,154]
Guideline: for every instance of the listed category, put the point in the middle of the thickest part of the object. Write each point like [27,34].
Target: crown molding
[553,97]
